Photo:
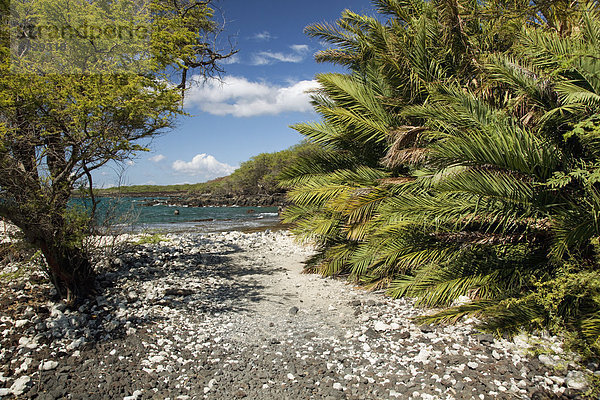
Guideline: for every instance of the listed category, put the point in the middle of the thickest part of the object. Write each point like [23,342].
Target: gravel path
[225,316]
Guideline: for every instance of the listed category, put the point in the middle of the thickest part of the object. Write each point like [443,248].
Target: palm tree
[459,159]
[508,199]
[392,65]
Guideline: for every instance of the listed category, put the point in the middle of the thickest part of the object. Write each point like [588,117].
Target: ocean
[129,214]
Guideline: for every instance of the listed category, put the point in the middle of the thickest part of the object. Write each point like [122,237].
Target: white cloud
[299,48]
[131,163]
[157,158]
[204,167]
[263,36]
[240,97]
[298,54]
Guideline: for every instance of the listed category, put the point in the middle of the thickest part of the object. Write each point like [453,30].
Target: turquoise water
[130,214]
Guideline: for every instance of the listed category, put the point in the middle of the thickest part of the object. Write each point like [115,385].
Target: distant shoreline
[132,194]
[187,199]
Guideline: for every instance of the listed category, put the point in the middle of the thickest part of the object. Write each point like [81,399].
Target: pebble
[423,356]
[472,365]
[576,380]
[20,385]
[381,326]
[213,314]
[134,396]
[48,365]
[546,360]
[21,323]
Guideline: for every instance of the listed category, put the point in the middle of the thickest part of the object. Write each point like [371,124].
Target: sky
[250,109]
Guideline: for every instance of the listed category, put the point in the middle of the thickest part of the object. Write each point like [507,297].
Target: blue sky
[259,96]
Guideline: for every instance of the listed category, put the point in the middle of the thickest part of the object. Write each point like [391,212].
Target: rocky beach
[231,315]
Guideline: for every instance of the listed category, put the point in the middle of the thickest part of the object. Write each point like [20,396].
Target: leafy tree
[82,83]
[259,175]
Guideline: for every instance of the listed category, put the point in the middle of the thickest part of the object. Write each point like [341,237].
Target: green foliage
[572,300]
[152,189]
[458,161]
[259,174]
[151,239]
[83,83]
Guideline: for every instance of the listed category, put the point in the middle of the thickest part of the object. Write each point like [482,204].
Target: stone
[134,396]
[381,353]
[404,335]
[118,262]
[178,292]
[558,380]
[472,365]
[423,356]
[21,323]
[48,365]
[20,385]
[576,380]
[371,333]
[156,359]
[485,338]
[381,326]
[546,360]
[539,395]
[75,343]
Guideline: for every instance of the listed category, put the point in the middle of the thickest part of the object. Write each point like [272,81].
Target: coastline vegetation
[259,175]
[155,238]
[458,161]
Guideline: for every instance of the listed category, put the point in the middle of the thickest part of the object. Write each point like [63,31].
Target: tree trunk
[70,271]
[60,240]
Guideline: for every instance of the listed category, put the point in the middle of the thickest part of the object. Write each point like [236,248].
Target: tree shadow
[200,284]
